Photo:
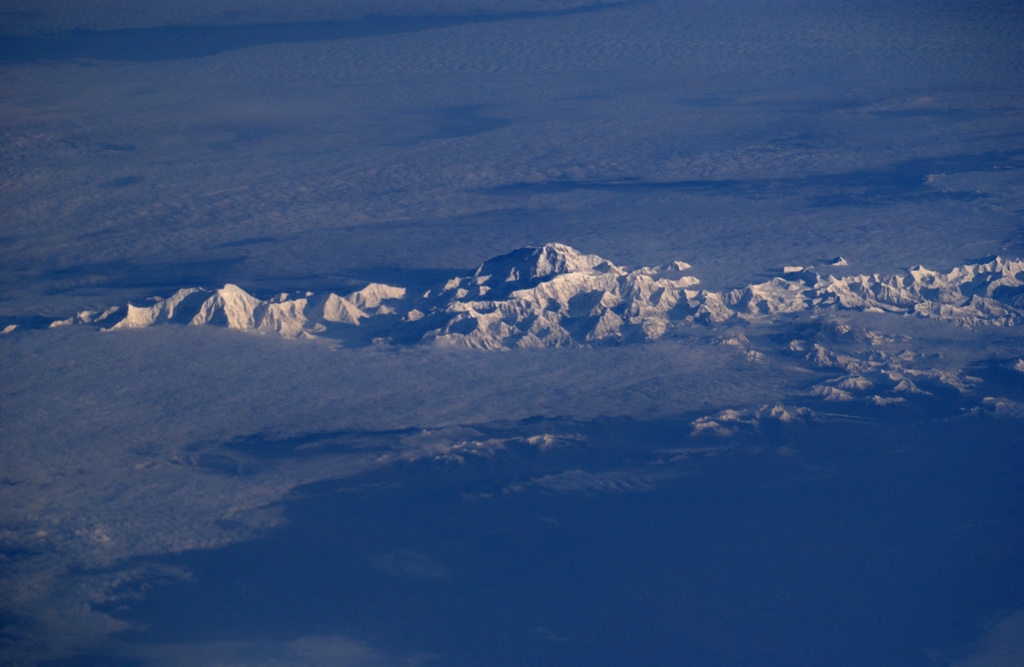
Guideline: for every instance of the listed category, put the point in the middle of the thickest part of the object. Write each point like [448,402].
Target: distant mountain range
[556,296]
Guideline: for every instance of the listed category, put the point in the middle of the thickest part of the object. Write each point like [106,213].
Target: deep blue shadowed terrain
[803,545]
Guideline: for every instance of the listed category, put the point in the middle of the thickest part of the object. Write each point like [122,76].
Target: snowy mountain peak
[526,268]
[556,296]
[533,264]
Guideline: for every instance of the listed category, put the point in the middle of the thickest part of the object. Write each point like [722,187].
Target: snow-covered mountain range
[556,296]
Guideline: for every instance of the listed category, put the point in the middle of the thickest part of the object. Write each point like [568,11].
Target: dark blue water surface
[855,544]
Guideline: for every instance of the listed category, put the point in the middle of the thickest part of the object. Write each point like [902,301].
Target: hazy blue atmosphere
[525,333]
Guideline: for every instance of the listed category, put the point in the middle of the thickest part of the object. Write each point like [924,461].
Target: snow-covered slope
[556,296]
[989,292]
[292,316]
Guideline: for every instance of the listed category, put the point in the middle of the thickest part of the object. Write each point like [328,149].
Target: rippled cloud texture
[185,495]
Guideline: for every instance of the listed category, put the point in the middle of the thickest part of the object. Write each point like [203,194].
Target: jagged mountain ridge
[556,296]
[233,307]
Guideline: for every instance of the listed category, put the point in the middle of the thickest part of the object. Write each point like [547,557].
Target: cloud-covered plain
[138,452]
[736,136]
[340,156]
